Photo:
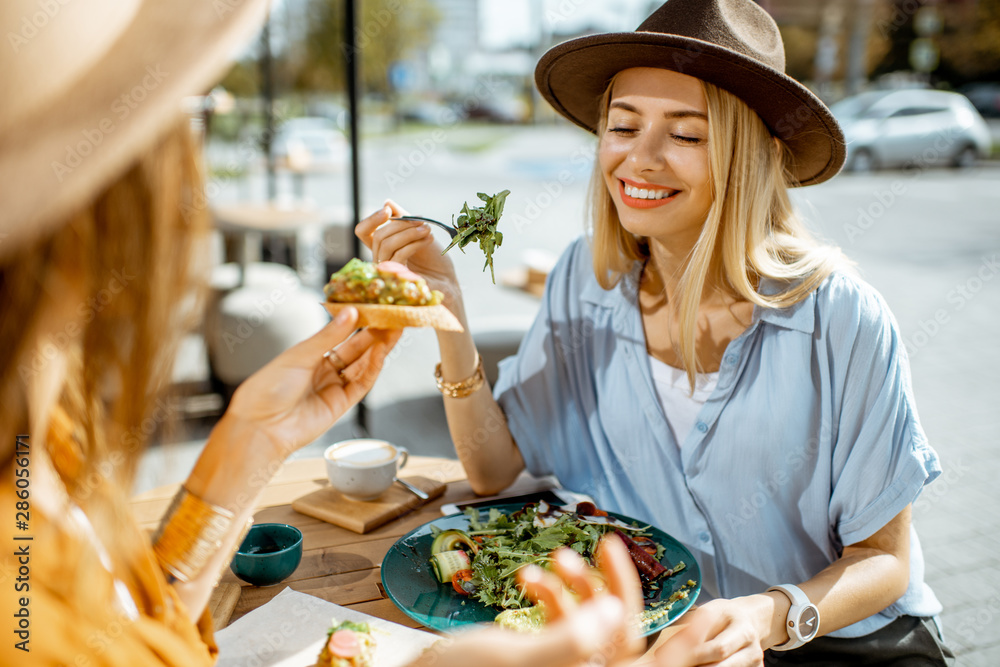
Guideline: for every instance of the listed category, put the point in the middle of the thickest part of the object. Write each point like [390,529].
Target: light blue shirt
[810,441]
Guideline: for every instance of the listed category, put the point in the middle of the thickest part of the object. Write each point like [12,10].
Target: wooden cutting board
[329,505]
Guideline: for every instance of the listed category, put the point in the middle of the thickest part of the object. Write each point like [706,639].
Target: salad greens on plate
[482,562]
[461,569]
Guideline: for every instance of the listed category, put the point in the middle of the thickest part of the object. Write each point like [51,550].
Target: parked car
[911,128]
[985,97]
[310,143]
[430,112]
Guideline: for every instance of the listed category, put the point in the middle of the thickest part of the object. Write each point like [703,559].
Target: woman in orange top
[102,207]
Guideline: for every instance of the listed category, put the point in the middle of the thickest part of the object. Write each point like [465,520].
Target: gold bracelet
[191,532]
[466,387]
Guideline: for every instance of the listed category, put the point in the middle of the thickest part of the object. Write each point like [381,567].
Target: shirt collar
[627,287]
[798,317]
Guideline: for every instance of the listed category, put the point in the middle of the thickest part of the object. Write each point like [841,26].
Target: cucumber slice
[449,540]
[446,563]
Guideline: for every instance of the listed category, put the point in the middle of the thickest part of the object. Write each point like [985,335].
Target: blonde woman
[701,362]
[103,206]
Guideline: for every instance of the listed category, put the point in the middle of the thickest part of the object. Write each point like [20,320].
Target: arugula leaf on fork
[480,224]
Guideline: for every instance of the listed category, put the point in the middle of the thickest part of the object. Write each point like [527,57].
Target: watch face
[808,622]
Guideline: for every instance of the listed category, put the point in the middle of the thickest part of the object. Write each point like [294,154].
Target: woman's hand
[727,633]
[300,394]
[284,406]
[614,590]
[598,628]
[410,243]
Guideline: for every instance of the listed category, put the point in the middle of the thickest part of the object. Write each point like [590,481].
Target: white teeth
[644,193]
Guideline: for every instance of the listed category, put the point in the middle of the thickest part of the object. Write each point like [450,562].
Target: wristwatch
[803,618]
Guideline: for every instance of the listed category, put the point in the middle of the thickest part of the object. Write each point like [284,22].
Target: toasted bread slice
[378,316]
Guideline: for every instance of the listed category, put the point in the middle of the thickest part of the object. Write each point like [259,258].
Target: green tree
[800,51]
[243,79]
[388,31]
[970,44]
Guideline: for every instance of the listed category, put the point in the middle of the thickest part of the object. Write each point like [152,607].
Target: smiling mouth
[637,197]
[647,193]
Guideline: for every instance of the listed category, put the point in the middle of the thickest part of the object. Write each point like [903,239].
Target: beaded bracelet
[466,387]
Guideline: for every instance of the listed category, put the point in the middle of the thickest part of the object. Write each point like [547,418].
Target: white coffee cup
[363,469]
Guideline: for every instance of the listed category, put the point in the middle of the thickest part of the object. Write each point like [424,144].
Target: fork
[448,228]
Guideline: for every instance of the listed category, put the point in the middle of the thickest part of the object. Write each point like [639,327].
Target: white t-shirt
[674,392]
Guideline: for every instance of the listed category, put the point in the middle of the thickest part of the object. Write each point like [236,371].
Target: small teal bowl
[269,554]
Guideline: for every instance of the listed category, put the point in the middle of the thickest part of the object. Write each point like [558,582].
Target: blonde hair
[752,230]
[128,254]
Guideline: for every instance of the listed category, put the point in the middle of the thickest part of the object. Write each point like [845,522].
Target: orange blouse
[61,604]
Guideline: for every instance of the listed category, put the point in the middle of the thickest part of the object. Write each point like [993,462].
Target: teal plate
[410,583]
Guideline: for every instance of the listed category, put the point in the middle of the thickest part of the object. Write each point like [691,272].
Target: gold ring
[337,363]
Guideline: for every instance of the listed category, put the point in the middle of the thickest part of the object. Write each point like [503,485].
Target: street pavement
[928,240]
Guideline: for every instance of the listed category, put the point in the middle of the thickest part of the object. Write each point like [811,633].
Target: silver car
[911,128]
[310,144]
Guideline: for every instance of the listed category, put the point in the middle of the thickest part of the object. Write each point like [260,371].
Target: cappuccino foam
[364,454]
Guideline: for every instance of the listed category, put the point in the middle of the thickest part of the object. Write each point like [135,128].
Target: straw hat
[88,86]
[733,44]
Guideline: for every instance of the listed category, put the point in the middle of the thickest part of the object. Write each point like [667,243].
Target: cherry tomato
[461,581]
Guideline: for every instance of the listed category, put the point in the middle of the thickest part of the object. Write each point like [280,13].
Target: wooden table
[337,565]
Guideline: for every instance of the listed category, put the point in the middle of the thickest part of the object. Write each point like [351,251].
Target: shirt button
[731,359]
[705,537]
[702,427]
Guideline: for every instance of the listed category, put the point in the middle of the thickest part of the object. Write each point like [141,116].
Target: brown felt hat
[88,86]
[733,44]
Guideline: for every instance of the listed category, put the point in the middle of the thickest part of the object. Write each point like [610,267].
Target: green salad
[483,561]
[480,224]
